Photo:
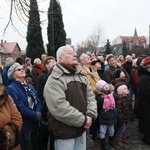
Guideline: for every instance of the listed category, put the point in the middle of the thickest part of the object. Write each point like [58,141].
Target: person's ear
[61,59]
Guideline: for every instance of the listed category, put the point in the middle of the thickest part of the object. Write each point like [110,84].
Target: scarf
[71,69]
[32,100]
[109,102]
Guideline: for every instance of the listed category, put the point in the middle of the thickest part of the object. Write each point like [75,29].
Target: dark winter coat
[132,79]
[36,71]
[105,118]
[144,101]
[111,79]
[29,116]
[41,80]
[123,109]
[128,67]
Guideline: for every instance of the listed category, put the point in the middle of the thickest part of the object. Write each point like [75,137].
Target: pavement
[135,137]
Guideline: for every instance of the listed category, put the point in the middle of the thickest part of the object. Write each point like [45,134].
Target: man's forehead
[84,55]
[68,49]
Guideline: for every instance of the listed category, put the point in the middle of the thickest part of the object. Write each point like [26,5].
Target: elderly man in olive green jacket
[70,101]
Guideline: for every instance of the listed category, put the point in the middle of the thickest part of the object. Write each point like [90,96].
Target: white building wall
[117,40]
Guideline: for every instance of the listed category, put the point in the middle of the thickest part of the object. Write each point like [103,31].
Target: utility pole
[52,48]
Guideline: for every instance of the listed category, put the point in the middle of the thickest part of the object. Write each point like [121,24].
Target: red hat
[146,61]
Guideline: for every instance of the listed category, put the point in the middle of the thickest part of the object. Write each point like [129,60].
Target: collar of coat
[60,69]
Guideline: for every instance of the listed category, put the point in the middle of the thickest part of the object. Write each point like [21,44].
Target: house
[130,42]
[9,49]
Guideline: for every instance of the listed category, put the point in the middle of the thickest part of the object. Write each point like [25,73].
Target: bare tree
[19,9]
[92,42]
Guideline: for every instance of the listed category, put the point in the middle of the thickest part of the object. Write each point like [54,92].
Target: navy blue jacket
[29,116]
[105,118]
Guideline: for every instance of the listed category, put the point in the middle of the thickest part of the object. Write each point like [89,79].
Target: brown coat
[36,71]
[10,114]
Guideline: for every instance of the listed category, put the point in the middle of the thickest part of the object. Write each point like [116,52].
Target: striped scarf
[32,100]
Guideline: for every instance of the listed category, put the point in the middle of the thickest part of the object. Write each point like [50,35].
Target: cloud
[80,17]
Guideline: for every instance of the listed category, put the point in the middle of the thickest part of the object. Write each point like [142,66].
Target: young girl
[123,115]
[107,113]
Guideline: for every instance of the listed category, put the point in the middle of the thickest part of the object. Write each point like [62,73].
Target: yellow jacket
[92,77]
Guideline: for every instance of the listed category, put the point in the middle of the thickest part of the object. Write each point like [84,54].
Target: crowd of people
[56,103]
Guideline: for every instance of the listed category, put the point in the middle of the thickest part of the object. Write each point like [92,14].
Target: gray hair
[60,51]
[82,56]
[36,60]
[128,57]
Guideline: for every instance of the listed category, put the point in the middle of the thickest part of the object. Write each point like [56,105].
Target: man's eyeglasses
[19,69]
[70,52]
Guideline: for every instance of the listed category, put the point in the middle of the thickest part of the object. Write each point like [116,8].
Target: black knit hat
[116,73]
[94,62]
[20,60]
[139,61]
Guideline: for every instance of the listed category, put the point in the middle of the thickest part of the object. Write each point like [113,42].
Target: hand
[88,122]
[38,116]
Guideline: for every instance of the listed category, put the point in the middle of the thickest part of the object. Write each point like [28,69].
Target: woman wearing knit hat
[28,104]
[107,113]
[27,71]
[144,100]
[123,115]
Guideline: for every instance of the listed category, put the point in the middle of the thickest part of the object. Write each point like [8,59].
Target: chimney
[1,43]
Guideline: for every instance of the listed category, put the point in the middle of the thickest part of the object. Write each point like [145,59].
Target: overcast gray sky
[81,17]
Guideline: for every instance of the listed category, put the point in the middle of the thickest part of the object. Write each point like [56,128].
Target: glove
[38,116]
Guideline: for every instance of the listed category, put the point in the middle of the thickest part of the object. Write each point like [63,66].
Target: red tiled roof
[8,47]
[141,39]
[125,38]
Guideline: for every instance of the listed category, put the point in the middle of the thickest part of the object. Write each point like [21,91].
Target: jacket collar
[59,70]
